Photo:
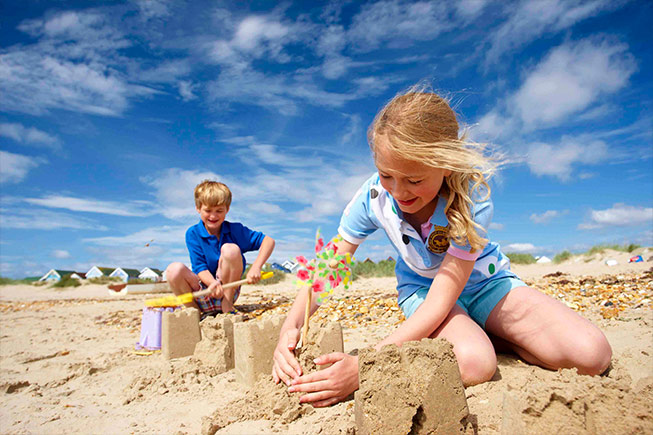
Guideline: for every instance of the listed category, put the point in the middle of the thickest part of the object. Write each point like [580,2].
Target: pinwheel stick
[321,275]
[307,314]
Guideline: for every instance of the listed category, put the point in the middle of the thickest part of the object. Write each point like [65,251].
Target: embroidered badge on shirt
[438,240]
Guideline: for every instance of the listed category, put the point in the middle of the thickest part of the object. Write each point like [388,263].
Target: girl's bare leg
[546,332]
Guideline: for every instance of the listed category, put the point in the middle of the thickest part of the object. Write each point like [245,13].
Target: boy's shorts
[477,305]
[210,306]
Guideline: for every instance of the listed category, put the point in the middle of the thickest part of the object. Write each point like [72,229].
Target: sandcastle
[415,388]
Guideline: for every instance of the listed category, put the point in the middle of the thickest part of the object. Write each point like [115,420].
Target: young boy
[216,249]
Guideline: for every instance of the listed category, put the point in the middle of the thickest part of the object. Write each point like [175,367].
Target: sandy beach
[67,360]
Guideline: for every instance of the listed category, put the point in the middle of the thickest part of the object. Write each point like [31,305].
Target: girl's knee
[593,356]
[476,365]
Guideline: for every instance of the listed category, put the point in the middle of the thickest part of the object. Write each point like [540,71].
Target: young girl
[431,197]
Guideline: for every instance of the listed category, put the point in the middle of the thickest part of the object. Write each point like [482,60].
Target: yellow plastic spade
[175,301]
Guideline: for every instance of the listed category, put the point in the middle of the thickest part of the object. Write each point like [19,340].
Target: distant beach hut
[292,266]
[543,259]
[151,274]
[368,260]
[96,272]
[279,267]
[57,274]
[390,259]
[125,274]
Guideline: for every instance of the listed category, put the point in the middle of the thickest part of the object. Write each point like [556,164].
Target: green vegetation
[562,256]
[598,249]
[521,258]
[7,281]
[67,281]
[104,280]
[11,281]
[366,269]
[277,277]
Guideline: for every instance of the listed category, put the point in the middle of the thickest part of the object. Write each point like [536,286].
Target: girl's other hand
[286,366]
[329,386]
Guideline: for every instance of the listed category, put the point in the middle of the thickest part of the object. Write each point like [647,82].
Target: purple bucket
[151,328]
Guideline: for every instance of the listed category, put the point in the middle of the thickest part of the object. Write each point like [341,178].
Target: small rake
[175,301]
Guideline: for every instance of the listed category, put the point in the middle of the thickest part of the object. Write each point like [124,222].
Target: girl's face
[415,186]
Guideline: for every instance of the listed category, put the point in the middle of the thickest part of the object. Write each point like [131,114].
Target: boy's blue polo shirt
[419,260]
[204,248]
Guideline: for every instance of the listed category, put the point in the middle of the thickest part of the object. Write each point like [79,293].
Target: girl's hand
[329,386]
[216,289]
[286,366]
[253,275]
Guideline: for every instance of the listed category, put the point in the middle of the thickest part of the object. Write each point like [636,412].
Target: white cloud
[116,208]
[75,65]
[520,248]
[393,20]
[569,79]
[528,20]
[470,9]
[619,215]
[547,216]
[353,133]
[164,235]
[187,90]
[14,167]
[559,160]
[154,8]
[496,226]
[45,220]
[569,85]
[173,190]
[60,253]
[28,135]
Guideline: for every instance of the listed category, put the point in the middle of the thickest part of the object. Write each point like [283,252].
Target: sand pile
[270,401]
[412,389]
[564,402]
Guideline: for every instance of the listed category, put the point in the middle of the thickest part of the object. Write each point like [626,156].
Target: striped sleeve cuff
[462,254]
[348,237]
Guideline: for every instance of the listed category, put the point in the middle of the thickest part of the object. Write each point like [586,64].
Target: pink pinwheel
[301,260]
[318,286]
[319,244]
[303,275]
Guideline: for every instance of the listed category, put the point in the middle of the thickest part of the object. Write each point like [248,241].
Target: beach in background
[67,360]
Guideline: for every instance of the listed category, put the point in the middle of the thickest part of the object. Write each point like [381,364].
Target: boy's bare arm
[264,252]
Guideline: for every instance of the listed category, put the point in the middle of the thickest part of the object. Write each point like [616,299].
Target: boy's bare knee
[230,251]
[475,366]
[175,271]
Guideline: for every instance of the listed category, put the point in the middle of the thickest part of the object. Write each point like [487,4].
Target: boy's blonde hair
[420,126]
[212,194]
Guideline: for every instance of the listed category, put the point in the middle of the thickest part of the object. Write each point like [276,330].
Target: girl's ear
[447,172]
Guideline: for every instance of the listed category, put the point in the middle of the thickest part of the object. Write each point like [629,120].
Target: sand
[67,365]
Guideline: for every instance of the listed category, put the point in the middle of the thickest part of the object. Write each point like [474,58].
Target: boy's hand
[254,275]
[286,366]
[328,386]
[216,289]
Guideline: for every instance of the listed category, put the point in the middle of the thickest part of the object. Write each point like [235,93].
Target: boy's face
[213,216]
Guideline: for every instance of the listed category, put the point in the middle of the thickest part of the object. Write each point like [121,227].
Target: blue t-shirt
[419,260]
[204,248]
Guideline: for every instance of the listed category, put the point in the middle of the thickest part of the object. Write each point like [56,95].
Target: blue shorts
[477,305]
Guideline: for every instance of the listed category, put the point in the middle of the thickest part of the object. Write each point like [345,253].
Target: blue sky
[111,112]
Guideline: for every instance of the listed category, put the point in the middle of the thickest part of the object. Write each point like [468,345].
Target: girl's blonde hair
[420,126]
[212,194]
